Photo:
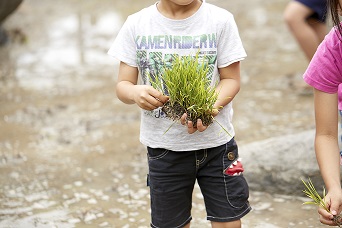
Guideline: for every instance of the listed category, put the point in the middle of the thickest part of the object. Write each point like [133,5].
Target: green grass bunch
[189,89]
[311,192]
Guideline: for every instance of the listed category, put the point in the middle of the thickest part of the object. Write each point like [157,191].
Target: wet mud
[69,150]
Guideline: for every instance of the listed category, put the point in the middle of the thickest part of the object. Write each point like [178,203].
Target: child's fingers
[325,217]
[191,128]
[158,95]
[183,119]
[326,221]
[324,213]
[215,112]
[200,126]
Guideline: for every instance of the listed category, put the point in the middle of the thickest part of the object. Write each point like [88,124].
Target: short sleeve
[230,47]
[124,46]
[324,71]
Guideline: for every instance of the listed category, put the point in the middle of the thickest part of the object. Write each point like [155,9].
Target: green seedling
[311,192]
[189,90]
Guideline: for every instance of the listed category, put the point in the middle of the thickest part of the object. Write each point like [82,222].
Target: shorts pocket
[156,153]
[237,191]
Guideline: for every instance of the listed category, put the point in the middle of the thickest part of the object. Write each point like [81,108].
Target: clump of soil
[338,220]
[175,111]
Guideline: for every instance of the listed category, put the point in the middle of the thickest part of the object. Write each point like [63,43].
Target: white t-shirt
[148,40]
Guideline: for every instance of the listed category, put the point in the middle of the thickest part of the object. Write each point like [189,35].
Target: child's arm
[227,88]
[127,90]
[327,152]
[229,84]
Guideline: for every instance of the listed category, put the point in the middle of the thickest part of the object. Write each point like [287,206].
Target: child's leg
[172,176]
[235,224]
[187,225]
[320,28]
[296,17]
[225,190]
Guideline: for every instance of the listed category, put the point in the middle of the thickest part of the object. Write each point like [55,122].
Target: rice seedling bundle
[189,90]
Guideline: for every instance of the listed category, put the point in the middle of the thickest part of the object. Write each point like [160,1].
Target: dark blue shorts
[218,171]
[318,6]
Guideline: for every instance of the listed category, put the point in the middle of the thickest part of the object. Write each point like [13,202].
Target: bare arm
[229,84]
[327,151]
[127,90]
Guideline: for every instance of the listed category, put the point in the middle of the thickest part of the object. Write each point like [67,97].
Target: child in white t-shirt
[149,39]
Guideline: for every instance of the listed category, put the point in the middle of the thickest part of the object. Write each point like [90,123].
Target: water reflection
[75,44]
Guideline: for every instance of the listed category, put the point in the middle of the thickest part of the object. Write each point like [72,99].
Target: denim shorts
[319,8]
[218,171]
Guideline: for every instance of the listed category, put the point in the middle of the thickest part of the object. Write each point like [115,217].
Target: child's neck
[178,12]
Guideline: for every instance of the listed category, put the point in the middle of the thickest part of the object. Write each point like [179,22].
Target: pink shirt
[325,69]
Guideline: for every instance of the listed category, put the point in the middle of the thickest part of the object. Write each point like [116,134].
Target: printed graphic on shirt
[154,53]
[150,42]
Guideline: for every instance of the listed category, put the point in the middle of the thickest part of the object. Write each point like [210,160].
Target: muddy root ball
[338,220]
[175,111]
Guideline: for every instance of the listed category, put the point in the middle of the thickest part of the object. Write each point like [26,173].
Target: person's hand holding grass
[311,192]
[191,96]
[199,124]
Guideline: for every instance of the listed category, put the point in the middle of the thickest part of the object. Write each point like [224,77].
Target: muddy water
[69,150]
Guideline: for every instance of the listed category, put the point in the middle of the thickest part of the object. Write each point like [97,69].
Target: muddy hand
[216,111]
[191,128]
[331,218]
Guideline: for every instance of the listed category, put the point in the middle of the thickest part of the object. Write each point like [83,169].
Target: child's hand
[191,128]
[216,111]
[334,202]
[148,98]
[199,125]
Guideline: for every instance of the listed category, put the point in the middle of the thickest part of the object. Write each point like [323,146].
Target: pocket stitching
[158,156]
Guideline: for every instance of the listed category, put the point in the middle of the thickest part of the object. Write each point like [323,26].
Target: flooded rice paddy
[69,150]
